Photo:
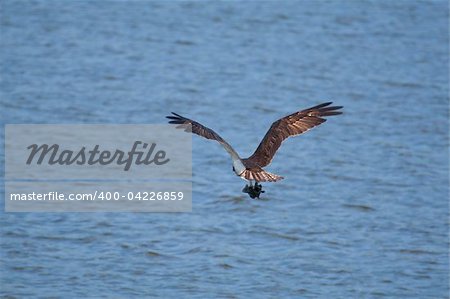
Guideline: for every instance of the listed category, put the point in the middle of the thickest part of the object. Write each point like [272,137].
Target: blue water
[363,210]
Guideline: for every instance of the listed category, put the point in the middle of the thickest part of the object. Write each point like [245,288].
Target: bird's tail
[260,176]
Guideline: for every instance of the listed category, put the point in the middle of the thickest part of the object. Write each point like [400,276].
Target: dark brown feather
[291,125]
[192,126]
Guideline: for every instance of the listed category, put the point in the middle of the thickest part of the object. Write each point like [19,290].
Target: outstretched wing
[194,127]
[291,125]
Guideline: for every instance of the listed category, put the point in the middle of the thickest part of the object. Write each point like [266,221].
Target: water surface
[363,209]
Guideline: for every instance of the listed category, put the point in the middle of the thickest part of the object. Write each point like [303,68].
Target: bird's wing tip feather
[175,114]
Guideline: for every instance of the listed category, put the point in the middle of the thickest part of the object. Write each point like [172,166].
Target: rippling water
[363,211]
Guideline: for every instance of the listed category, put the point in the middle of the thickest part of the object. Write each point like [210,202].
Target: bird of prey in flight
[251,168]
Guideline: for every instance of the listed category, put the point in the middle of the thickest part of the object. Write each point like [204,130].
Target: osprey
[251,168]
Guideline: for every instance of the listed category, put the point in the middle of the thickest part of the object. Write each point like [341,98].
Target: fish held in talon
[246,189]
[255,191]
[251,169]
